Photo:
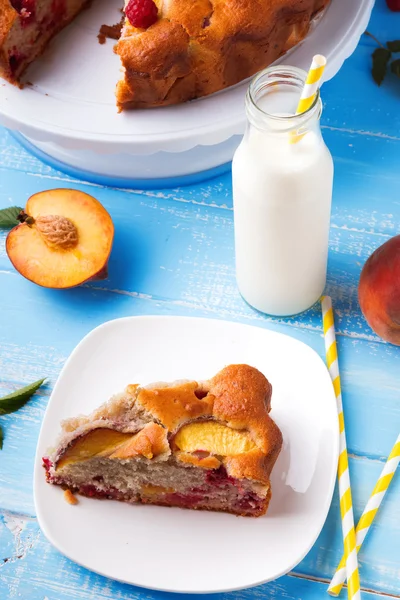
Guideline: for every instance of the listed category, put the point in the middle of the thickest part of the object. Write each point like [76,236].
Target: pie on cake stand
[68,116]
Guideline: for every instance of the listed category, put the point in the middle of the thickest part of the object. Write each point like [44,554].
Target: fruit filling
[15,60]
[26,10]
[165,483]
[36,23]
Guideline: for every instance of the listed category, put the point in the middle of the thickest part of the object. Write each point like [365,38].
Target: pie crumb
[70,498]
[110,31]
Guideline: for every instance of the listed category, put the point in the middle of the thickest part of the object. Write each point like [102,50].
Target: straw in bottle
[346,504]
[310,89]
[369,514]
[312,84]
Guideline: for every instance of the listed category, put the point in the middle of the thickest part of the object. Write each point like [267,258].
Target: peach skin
[379,291]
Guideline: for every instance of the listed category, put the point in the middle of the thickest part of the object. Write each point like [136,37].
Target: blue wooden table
[173,254]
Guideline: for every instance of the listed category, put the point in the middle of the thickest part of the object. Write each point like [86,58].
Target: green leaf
[16,400]
[1,438]
[395,67]
[380,59]
[394,46]
[8,217]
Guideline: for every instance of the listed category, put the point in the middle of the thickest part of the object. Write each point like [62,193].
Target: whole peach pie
[201,445]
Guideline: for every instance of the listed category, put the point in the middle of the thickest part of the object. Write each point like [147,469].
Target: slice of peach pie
[208,445]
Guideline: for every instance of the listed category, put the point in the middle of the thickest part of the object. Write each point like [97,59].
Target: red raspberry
[393,5]
[141,13]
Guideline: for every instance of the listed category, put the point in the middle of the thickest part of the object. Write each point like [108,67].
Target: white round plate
[179,550]
[71,102]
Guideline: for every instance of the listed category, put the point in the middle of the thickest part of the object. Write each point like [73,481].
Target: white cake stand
[68,116]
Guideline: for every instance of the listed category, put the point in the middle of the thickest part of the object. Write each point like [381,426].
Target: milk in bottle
[282,188]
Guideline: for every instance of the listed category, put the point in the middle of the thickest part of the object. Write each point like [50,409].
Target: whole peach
[379,291]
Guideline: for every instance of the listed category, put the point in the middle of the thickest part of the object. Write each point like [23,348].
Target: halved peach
[64,239]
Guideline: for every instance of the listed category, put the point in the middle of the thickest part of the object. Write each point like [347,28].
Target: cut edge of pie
[201,445]
[26,28]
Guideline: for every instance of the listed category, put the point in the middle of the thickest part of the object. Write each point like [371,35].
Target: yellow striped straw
[346,504]
[310,89]
[312,84]
[369,513]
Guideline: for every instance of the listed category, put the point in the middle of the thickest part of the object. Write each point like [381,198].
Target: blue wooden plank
[352,100]
[41,572]
[384,23]
[184,252]
[196,277]
[369,108]
[358,201]
[365,198]
[354,194]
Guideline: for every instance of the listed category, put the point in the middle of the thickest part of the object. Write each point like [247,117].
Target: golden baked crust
[197,48]
[151,441]
[8,16]
[174,406]
[243,400]
[238,398]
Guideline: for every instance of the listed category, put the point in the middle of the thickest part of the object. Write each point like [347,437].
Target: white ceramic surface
[169,548]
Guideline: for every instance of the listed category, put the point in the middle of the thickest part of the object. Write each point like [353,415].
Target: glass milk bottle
[282,188]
